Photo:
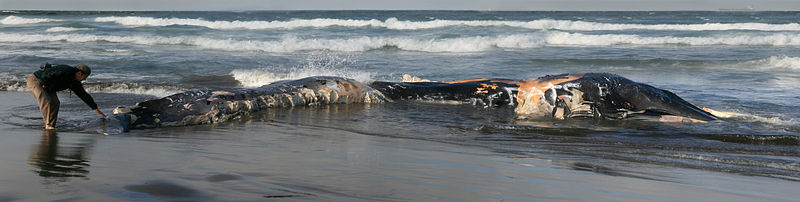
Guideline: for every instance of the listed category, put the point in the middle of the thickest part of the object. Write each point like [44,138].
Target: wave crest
[782,62]
[778,62]
[154,89]
[564,38]
[66,29]
[292,44]
[394,23]
[14,20]
[408,43]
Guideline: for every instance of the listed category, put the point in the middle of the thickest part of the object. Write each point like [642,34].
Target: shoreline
[257,159]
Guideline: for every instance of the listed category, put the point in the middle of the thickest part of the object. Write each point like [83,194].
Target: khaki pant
[48,101]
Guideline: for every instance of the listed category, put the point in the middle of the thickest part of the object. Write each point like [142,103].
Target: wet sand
[256,160]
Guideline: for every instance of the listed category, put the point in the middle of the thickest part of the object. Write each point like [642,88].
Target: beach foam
[14,20]
[771,120]
[779,121]
[394,23]
[9,82]
[158,90]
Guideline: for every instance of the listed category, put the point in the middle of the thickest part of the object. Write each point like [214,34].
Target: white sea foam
[14,20]
[251,78]
[126,76]
[292,44]
[778,121]
[15,86]
[775,120]
[316,65]
[772,120]
[781,62]
[255,77]
[66,29]
[149,21]
[394,23]
[564,38]
[134,88]
[410,43]
[11,82]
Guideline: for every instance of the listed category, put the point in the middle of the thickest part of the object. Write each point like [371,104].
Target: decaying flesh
[597,95]
[204,106]
[563,96]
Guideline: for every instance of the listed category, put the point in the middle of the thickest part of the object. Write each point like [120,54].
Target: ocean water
[742,62]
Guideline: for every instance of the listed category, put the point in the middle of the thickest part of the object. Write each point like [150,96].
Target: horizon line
[478,10]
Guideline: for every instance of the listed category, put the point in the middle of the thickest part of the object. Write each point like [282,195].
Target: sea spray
[316,64]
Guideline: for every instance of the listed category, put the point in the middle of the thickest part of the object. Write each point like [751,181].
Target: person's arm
[78,89]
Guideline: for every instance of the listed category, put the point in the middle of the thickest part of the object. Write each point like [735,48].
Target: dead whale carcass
[597,95]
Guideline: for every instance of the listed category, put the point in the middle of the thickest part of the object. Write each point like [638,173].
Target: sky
[548,5]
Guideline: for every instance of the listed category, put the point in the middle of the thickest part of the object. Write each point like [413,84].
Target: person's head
[83,72]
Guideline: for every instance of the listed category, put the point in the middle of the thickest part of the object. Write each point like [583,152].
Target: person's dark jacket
[61,77]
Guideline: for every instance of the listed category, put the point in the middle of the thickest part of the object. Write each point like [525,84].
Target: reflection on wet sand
[163,189]
[53,161]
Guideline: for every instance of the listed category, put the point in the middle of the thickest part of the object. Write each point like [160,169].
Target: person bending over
[45,82]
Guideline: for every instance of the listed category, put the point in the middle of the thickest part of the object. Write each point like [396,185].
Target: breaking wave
[251,78]
[776,62]
[316,65]
[14,20]
[157,90]
[154,89]
[66,29]
[10,82]
[564,38]
[394,23]
[17,83]
[292,44]
[462,44]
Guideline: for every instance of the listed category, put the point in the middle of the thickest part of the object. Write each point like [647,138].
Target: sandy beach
[257,159]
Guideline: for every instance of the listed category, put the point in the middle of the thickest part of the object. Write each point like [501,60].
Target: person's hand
[100,113]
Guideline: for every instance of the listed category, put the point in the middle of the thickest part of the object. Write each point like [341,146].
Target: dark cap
[83,68]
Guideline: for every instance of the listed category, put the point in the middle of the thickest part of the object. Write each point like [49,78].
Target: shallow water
[739,62]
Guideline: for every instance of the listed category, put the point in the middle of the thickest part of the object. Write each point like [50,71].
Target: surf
[394,23]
